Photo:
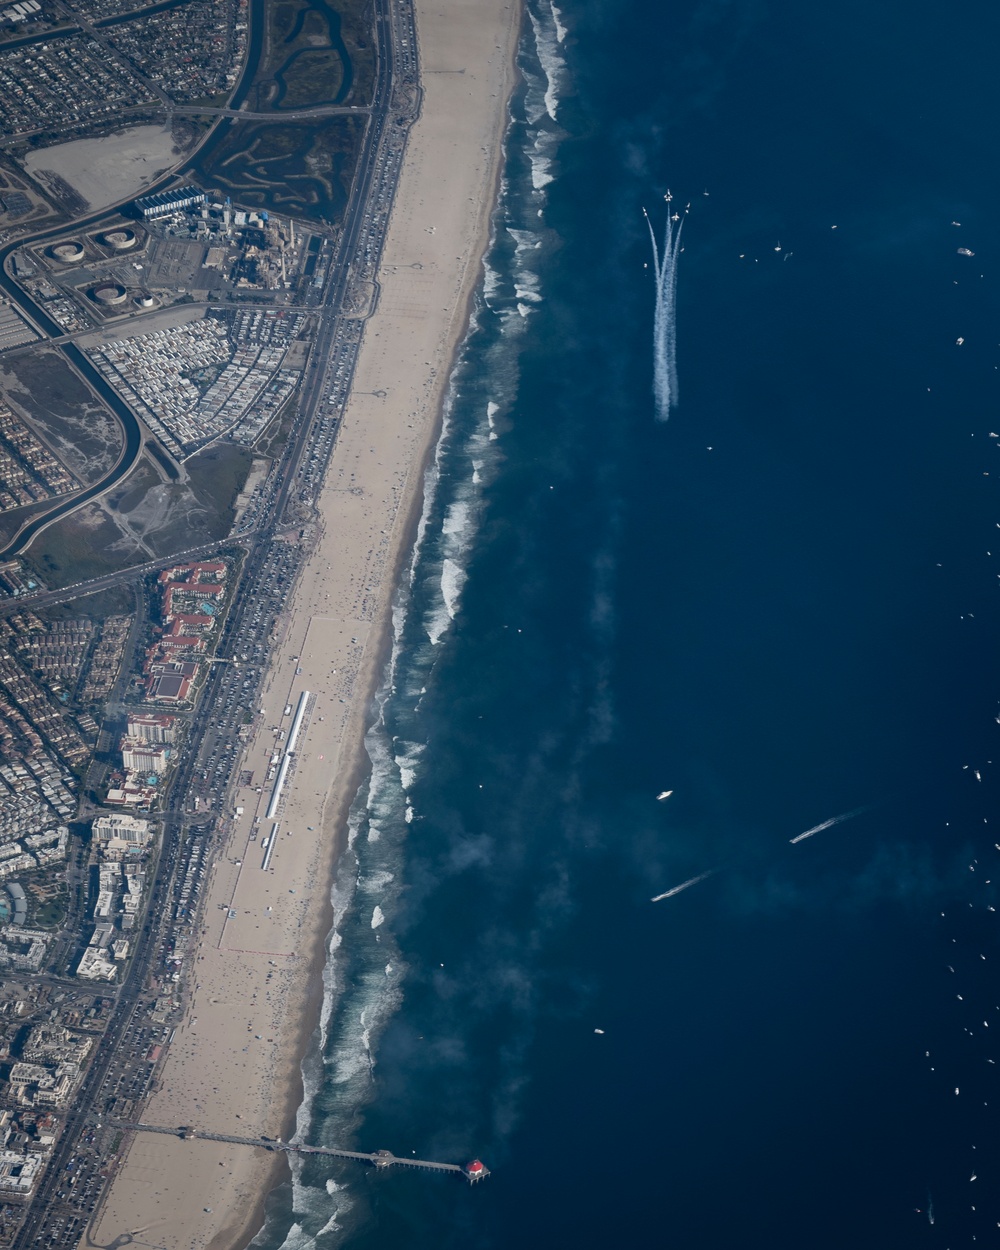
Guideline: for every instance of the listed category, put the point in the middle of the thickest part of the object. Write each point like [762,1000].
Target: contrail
[664,314]
[684,885]
[828,824]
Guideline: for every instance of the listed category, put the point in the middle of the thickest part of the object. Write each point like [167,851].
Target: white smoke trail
[828,824]
[684,885]
[664,313]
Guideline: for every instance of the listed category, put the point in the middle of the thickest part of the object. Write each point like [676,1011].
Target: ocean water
[774,596]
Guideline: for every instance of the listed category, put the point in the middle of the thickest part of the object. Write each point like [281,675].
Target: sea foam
[365,969]
[547,50]
[561,31]
[452,580]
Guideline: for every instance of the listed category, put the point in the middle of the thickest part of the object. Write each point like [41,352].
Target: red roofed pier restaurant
[476,1171]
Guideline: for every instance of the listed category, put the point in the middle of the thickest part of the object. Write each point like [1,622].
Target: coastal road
[127,1000]
[67,594]
[359,214]
[275,115]
[24,349]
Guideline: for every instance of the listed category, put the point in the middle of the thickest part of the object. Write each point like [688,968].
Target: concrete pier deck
[378,1158]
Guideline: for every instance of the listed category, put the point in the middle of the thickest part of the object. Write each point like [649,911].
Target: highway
[284,115]
[74,336]
[67,594]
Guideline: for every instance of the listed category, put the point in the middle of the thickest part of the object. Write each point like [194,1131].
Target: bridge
[474,1171]
[283,115]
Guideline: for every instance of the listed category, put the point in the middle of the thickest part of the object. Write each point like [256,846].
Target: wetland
[315,53]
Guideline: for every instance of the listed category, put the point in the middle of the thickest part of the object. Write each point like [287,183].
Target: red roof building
[192,573]
[170,687]
[191,622]
[174,642]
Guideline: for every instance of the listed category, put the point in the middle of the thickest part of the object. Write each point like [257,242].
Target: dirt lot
[43,389]
[105,171]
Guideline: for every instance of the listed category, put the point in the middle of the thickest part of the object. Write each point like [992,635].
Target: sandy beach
[233,1066]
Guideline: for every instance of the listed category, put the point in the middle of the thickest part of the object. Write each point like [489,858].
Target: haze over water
[780,604]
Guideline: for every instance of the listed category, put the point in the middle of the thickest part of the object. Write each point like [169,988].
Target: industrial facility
[167,202]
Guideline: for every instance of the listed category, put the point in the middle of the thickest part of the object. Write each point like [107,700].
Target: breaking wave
[548,35]
[365,969]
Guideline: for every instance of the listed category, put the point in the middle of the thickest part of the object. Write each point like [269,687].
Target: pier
[474,1171]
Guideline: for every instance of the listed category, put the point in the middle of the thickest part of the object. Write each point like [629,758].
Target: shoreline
[421,319]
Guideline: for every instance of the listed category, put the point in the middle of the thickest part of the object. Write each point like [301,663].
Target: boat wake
[808,833]
[684,885]
[828,824]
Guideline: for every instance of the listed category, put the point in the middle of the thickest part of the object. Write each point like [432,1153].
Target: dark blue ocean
[780,604]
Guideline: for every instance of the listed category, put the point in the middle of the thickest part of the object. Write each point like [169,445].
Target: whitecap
[355,1012]
[349,1060]
[407,757]
[407,776]
[296,1239]
[452,580]
[436,625]
[491,280]
[526,240]
[534,98]
[539,149]
[526,288]
[561,31]
[375,882]
[540,166]
[457,519]
[547,51]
